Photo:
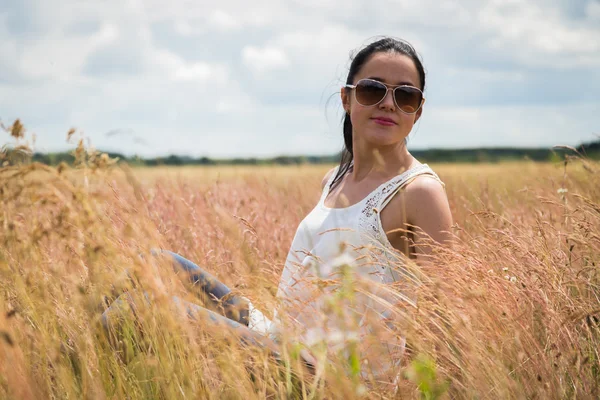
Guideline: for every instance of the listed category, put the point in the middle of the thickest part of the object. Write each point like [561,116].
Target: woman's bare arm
[428,211]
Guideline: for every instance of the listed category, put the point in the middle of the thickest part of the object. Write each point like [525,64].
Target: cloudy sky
[262,78]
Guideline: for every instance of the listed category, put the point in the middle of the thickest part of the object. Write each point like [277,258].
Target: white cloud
[107,34]
[174,67]
[538,34]
[223,21]
[318,59]
[264,59]
[196,71]
[217,20]
[184,28]
[592,10]
[55,55]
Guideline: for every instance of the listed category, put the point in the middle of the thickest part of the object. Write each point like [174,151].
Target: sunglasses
[369,92]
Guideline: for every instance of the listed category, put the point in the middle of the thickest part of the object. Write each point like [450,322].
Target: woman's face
[391,69]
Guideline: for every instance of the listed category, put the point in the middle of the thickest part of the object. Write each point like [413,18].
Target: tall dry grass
[511,311]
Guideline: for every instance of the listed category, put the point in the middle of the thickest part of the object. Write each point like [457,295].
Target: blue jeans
[234,309]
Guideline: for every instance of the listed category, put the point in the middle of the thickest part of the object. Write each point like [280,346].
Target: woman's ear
[345,95]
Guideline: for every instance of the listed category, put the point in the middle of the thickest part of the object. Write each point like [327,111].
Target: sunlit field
[511,311]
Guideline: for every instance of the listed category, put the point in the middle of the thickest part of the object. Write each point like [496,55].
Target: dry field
[512,311]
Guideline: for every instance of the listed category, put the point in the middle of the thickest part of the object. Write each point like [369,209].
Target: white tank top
[316,251]
[324,229]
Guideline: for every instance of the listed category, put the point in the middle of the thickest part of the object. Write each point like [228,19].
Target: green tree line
[590,150]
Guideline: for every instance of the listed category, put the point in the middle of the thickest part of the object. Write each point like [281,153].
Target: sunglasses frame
[387,89]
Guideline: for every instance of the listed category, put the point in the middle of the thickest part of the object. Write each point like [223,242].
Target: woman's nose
[388,101]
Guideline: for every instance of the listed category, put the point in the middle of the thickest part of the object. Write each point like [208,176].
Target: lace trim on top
[370,227]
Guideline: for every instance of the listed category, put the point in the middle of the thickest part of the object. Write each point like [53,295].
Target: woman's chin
[379,138]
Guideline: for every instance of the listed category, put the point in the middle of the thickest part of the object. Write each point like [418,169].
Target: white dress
[326,240]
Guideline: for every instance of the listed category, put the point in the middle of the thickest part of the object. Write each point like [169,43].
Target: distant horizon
[183,155]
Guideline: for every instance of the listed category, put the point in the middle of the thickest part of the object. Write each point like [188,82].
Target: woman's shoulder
[424,186]
[425,190]
[426,203]
[425,182]
[328,176]
[424,196]
[422,179]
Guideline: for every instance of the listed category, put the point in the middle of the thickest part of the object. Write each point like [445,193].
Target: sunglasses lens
[369,93]
[408,99]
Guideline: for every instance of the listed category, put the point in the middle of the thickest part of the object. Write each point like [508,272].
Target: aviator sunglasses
[369,92]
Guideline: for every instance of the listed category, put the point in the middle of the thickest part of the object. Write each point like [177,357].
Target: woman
[379,197]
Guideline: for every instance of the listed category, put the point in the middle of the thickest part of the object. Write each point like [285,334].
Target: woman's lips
[384,122]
